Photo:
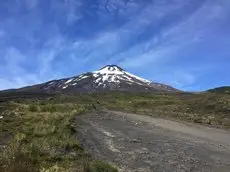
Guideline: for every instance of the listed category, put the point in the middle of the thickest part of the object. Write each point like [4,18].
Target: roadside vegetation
[210,109]
[37,134]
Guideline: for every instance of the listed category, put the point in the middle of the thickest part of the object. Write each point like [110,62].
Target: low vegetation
[221,90]
[40,137]
[38,134]
[204,108]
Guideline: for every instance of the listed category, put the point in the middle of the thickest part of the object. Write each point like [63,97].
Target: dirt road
[138,143]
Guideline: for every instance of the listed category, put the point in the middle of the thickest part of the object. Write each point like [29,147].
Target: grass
[205,108]
[100,166]
[41,138]
[221,90]
[38,134]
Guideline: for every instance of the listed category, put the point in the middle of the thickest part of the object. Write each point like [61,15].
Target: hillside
[221,90]
[108,78]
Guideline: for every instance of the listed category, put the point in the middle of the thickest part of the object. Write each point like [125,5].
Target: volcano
[108,78]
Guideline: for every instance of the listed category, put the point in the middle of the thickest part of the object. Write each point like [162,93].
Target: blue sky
[183,43]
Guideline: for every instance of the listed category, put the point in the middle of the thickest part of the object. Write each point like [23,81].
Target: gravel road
[136,143]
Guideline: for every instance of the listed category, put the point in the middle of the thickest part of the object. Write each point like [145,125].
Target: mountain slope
[221,90]
[108,78]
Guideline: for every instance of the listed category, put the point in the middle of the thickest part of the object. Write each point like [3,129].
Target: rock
[135,141]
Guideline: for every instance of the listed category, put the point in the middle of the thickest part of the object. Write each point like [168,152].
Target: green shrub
[48,108]
[100,166]
[33,108]
[19,163]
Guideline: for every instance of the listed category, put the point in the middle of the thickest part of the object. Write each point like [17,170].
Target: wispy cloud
[42,40]
[12,72]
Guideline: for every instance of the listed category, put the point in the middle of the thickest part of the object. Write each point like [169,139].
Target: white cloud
[142,58]
[157,49]
[121,45]
[53,46]
[13,74]
[73,11]
[161,47]
[14,59]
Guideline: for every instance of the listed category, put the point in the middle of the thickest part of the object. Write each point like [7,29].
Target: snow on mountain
[115,74]
[110,77]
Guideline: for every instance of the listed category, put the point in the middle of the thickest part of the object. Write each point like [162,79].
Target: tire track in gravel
[138,143]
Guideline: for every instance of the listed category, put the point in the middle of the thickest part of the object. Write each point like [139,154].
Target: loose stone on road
[138,143]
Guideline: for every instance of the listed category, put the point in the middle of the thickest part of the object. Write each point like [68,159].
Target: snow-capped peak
[110,69]
[110,77]
[113,73]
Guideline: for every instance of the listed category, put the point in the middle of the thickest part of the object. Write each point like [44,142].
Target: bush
[19,163]
[100,166]
[48,108]
[33,108]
